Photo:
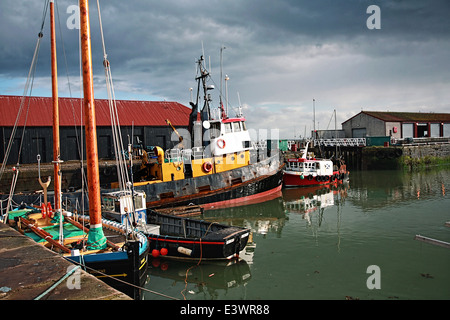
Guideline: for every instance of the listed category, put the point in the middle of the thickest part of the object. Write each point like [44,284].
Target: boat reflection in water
[214,279]
[197,281]
[308,200]
[260,219]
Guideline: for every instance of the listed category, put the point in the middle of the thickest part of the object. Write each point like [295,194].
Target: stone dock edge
[30,271]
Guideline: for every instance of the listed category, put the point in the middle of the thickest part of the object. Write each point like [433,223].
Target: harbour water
[355,241]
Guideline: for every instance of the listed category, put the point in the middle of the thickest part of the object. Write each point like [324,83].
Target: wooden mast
[90,127]
[56,139]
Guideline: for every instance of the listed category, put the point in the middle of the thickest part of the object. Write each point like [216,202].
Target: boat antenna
[221,76]
[240,105]
[314,119]
[203,50]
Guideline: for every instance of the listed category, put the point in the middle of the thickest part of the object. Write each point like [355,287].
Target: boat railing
[187,154]
[197,153]
[259,145]
[173,155]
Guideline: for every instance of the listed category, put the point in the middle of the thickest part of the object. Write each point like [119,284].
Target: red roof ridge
[399,116]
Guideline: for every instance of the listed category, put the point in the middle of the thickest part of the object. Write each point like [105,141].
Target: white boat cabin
[118,205]
[228,136]
[312,167]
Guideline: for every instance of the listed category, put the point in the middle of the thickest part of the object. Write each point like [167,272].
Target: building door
[359,133]
[446,130]
[160,140]
[104,147]
[422,130]
[14,153]
[435,129]
[69,149]
[407,130]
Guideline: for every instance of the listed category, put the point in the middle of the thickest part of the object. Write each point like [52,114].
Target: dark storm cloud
[279,54]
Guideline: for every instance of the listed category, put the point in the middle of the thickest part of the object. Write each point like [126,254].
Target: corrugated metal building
[398,125]
[147,118]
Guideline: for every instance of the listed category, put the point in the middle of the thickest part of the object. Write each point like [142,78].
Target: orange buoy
[164,251]
[155,253]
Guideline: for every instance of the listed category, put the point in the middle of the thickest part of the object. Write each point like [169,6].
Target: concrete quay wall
[30,271]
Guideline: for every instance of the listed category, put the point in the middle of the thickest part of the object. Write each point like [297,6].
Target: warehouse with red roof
[398,125]
[143,120]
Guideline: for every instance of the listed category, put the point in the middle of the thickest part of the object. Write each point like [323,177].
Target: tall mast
[96,239]
[56,141]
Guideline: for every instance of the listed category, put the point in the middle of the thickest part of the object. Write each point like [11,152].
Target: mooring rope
[127,283]
[57,283]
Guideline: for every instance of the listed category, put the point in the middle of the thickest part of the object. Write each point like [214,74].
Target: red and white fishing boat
[308,171]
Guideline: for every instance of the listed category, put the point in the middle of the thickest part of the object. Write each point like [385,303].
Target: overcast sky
[279,56]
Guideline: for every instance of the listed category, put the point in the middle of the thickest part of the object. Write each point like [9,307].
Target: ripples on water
[318,244]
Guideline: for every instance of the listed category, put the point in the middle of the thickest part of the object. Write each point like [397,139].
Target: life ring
[49,210]
[207,166]
[43,210]
[221,143]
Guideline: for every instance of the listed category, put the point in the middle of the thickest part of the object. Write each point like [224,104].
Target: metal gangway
[341,142]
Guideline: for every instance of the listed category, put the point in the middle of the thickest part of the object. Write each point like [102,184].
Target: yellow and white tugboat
[221,167]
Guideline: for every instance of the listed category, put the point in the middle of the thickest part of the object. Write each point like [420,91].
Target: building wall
[373,126]
[393,129]
[38,140]
[363,125]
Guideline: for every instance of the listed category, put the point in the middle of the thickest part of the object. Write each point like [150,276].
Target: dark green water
[318,244]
